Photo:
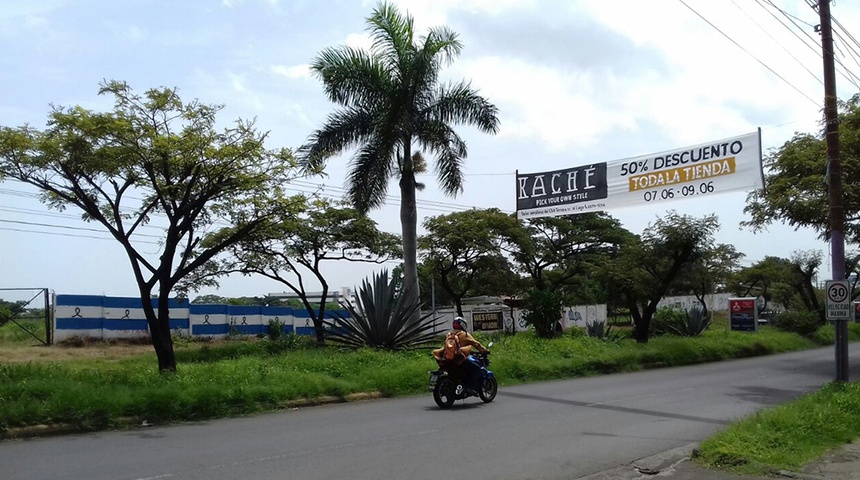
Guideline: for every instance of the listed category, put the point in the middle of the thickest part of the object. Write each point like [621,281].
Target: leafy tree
[795,185]
[459,246]
[646,268]
[153,155]
[294,247]
[805,266]
[765,279]
[709,274]
[557,252]
[392,100]
[210,299]
[543,311]
[787,282]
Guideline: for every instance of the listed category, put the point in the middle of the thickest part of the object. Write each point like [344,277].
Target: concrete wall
[101,317]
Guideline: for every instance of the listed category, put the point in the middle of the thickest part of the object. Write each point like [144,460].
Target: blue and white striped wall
[101,317]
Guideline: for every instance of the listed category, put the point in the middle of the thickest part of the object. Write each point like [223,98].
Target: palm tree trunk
[409,229]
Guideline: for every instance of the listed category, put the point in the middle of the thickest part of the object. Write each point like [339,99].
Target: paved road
[553,430]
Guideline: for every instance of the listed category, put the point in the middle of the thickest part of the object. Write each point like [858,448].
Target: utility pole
[834,181]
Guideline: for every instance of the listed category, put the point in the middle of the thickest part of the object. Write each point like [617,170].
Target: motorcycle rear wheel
[444,392]
[489,389]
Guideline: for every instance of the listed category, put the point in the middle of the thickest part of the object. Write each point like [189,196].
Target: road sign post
[839,300]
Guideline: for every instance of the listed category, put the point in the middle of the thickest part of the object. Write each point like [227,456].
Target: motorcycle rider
[463,343]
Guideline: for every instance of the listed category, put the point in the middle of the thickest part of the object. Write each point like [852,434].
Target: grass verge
[789,436]
[236,378]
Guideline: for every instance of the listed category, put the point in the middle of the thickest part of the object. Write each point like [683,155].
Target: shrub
[577,332]
[799,322]
[685,323]
[382,318]
[276,329]
[667,321]
[543,311]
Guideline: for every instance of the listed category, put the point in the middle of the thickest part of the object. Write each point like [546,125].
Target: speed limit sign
[838,300]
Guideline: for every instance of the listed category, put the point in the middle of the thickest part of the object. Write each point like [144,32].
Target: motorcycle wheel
[489,389]
[443,392]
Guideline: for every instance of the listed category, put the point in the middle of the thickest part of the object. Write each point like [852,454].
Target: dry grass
[59,353]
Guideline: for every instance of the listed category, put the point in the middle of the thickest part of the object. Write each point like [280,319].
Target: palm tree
[392,99]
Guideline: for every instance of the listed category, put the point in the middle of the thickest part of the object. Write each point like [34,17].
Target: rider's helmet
[459,324]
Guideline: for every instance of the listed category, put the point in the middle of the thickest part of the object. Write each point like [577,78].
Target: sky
[575,82]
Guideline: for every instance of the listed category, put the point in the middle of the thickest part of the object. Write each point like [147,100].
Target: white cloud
[292,72]
[360,41]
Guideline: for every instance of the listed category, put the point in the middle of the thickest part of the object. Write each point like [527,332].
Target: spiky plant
[694,322]
[597,329]
[382,317]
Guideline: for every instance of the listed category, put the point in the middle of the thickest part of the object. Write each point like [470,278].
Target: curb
[32,431]
[646,467]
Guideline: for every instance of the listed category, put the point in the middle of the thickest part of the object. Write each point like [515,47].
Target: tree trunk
[159,330]
[409,228]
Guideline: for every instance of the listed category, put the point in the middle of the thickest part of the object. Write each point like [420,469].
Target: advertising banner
[704,170]
[743,314]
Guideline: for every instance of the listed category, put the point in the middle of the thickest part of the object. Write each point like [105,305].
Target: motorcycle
[448,382]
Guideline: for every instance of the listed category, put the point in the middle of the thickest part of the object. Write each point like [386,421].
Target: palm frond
[393,35]
[460,103]
[343,129]
[450,151]
[443,43]
[351,76]
[370,169]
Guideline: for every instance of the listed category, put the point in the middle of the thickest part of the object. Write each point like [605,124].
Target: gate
[25,310]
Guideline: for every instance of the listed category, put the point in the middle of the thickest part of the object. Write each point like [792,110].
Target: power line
[814,41]
[748,53]
[69,235]
[778,43]
[69,227]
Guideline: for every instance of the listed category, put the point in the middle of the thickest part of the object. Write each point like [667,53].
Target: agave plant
[597,329]
[382,318]
[697,320]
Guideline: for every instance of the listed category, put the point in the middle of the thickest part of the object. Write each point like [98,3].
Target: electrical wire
[778,43]
[845,72]
[748,53]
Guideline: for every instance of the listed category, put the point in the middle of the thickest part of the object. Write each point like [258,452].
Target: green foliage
[10,333]
[178,164]
[796,191]
[685,323]
[275,330]
[382,317]
[463,250]
[799,322]
[543,310]
[577,332]
[788,436]
[558,253]
[666,321]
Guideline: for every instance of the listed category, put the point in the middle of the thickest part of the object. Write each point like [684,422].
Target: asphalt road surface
[553,430]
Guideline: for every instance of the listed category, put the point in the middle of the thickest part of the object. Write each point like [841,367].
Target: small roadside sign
[838,293]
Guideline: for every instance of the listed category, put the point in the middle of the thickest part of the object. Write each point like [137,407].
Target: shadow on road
[615,408]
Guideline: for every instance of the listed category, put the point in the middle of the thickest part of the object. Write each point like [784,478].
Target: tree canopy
[795,180]
[293,247]
[153,160]
[646,268]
